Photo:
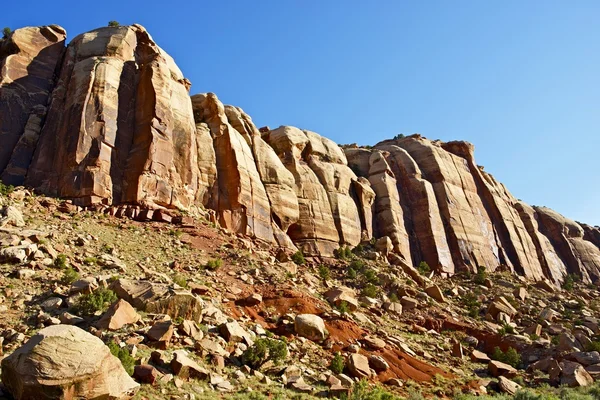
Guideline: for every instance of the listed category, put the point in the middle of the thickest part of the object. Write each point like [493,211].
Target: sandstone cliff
[109,120]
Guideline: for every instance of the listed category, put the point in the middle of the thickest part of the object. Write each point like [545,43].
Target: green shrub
[569,282]
[324,272]
[370,290]
[358,265]
[371,276]
[343,253]
[337,364]
[506,329]
[593,346]
[358,249]
[214,264]
[180,280]
[510,357]
[423,268]
[60,261]
[399,136]
[113,23]
[362,391]
[6,32]
[175,232]
[343,307]
[123,355]
[351,274]
[480,276]
[99,300]
[298,258]
[91,261]
[393,297]
[263,350]
[70,276]
[5,190]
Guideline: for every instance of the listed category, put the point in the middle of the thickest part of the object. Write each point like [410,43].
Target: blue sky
[519,79]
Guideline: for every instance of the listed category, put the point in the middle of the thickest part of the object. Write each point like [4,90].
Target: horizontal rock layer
[108,119]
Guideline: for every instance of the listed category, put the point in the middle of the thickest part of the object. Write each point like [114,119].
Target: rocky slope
[108,121]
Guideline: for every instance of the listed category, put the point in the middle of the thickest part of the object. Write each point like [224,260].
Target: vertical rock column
[29,60]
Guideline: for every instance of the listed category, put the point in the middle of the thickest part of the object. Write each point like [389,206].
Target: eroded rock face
[29,60]
[65,362]
[120,126]
[580,256]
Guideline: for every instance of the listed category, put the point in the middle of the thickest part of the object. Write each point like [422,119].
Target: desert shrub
[180,280]
[90,261]
[362,391]
[351,274]
[298,258]
[99,300]
[569,282]
[175,232]
[343,253]
[324,272]
[5,190]
[70,276]
[6,32]
[370,290]
[214,264]
[506,329]
[343,307]
[263,350]
[510,357]
[337,363]
[423,268]
[60,261]
[472,304]
[593,346]
[357,265]
[123,355]
[358,249]
[370,276]
[399,136]
[393,297]
[480,276]
[113,23]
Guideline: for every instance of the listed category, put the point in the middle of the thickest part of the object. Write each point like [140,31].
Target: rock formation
[108,120]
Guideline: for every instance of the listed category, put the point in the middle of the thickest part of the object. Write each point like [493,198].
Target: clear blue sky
[519,79]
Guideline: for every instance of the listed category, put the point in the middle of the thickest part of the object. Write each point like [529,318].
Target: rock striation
[108,120]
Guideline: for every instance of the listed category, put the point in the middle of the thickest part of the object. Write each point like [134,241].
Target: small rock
[311,327]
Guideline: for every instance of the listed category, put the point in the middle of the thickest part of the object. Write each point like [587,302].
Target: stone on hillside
[64,361]
[457,350]
[533,329]
[118,315]
[253,300]
[545,285]
[13,254]
[384,245]
[84,285]
[574,375]
[11,215]
[358,365]
[585,358]
[567,342]
[161,333]
[508,386]
[436,293]
[159,298]
[499,305]
[233,332]
[311,327]
[185,368]
[520,293]
[373,343]
[378,363]
[339,295]
[480,357]
[191,329]
[146,373]
[548,314]
[409,303]
[497,368]
[392,307]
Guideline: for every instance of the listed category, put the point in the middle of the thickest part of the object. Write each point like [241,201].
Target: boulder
[497,368]
[118,315]
[63,361]
[184,367]
[358,365]
[508,386]
[311,327]
[574,375]
[339,295]
[159,298]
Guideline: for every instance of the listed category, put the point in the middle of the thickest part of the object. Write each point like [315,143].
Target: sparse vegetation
[351,274]
[123,355]
[99,300]
[510,357]
[214,264]
[324,272]
[362,391]
[298,258]
[506,329]
[370,290]
[480,276]
[472,304]
[569,282]
[180,280]
[337,363]
[263,350]
[6,31]
[60,261]
[399,136]
[343,253]
[424,268]
[70,276]
[343,307]
[113,23]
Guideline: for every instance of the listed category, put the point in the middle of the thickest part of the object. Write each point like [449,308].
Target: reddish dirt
[487,340]
[404,366]
[202,238]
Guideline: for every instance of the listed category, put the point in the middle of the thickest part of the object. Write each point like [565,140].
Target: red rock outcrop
[117,126]
[29,59]
[120,126]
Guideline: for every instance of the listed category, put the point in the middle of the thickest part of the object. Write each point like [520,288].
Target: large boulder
[311,327]
[65,362]
[159,298]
